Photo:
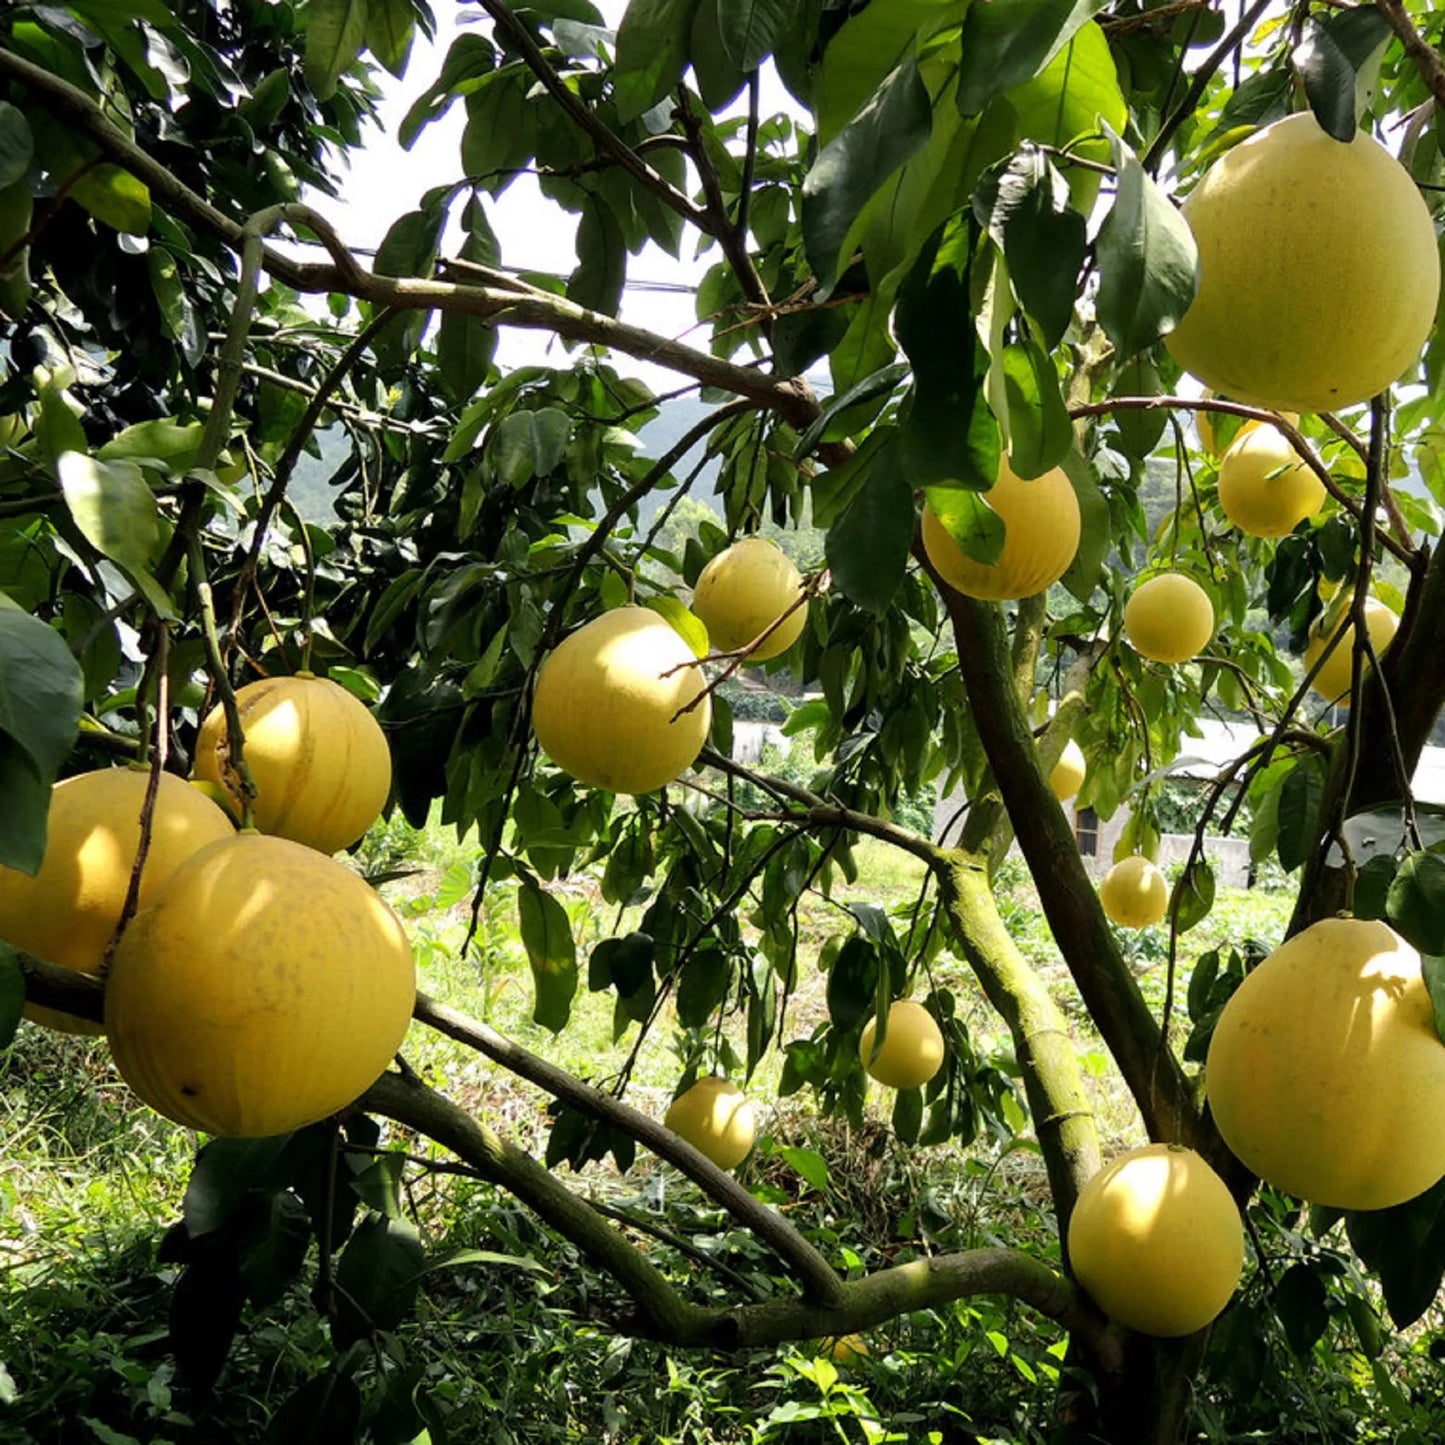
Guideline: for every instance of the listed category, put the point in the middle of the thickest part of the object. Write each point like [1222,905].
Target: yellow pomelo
[745,589]
[846,1350]
[1265,488]
[265,987]
[1333,679]
[606,699]
[1318,270]
[68,911]
[1169,618]
[319,759]
[1325,1074]
[716,1118]
[1157,1241]
[1041,534]
[1209,425]
[1067,776]
[1134,893]
[912,1051]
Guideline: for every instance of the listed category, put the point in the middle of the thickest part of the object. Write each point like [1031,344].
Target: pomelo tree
[973,233]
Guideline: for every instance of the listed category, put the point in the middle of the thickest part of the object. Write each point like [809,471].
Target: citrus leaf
[1147,259]
[1300,798]
[1193,895]
[948,435]
[1006,42]
[17,145]
[1025,207]
[683,621]
[390,27]
[750,28]
[809,1164]
[468,59]
[1096,528]
[1339,62]
[1040,432]
[867,547]
[377,1274]
[335,33]
[970,521]
[890,126]
[326,1410]
[852,983]
[1404,1246]
[652,53]
[12,993]
[1415,904]
[1301,1301]
[547,937]
[601,260]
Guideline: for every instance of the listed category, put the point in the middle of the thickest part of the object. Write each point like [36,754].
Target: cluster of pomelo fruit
[261,984]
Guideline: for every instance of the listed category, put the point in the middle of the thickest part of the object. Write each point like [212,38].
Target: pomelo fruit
[1134,893]
[606,700]
[912,1051]
[1265,488]
[716,1118]
[1325,1074]
[744,590]
[320,761]
[1169,618]
[264,987]
[1067,776]
[1318,270]
[1157,1241]
[1332,681]
[67,912]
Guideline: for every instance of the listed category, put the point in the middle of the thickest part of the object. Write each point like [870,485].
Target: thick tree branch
[820,1281]
[1427,61]
[1072,906]
[791,398]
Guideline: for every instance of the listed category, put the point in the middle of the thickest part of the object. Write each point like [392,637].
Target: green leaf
[547,937]
[12,993]
[378,1274]
[326,1410]
[25,797]
[949,435]
[809,1164]
[469,58]
[1193,895]
[1432,966]
[875,384]
[1405,1247]
[683,621]
[751,28]
[1147,260]
[501,132]
[465,347]
[1339,62]
[652,51]
[1096,529]
[529,444]
[1415,904]
[852,983]
[226,1172]
[1007,42]
[1300,799]
[969,520]
[908,1115]
[719,79]
[17,206]
[1201,982]
[1302,1303]
[263,107]
[335,33]
[867,547]
[702,985]
[116,197]
[274,1247]
[1040,432]
[17,145]
[178,316]
[390,27]
[1025,207]
[893,123]
[601,260]
[117,514]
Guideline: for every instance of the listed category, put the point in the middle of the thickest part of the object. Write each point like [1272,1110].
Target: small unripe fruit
[1067,776]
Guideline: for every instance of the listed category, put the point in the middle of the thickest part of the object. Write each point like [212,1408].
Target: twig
[1427,61]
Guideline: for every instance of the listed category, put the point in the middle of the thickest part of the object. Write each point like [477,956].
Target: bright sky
[385,181]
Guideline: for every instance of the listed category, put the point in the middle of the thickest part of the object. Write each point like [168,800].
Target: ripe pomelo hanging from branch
[1134,893]
[1325,1073]
[1265,488]
[608,703]
[265,987]
[1318,270]
[1169,618]
[744,590]
[68,911]
[1333,680]
[319,759]
[716,1118]
[1067,775]
[912,1049]
[1042,526]
[1157,1241]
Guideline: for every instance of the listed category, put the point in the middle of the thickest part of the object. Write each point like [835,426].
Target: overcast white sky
[385,181]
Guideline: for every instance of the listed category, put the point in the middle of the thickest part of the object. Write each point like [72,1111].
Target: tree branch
[1427,61]
[820,1281]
